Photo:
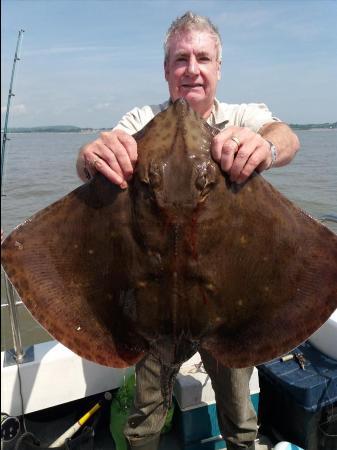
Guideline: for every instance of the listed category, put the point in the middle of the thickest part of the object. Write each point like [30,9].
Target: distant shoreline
[73,129]
[55,129]
[314,126]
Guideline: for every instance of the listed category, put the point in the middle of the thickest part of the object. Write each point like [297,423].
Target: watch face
[273,152]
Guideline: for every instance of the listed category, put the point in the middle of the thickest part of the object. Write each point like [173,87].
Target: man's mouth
[190,85]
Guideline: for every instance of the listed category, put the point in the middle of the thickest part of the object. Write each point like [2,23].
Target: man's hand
[240,151]
[114,154]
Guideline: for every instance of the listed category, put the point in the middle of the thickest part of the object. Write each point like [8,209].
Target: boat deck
[47,425]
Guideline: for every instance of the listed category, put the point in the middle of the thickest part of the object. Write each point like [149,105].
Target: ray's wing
[70,264]
[276,277]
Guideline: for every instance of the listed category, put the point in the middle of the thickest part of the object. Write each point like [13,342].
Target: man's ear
[166,70]
[219,70]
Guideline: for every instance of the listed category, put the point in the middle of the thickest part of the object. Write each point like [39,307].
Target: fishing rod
[74,428]
[19,353]
[10,95]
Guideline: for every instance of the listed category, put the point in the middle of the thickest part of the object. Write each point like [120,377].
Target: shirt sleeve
[255,115]
[135,119]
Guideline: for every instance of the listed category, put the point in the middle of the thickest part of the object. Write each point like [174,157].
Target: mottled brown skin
[181,259]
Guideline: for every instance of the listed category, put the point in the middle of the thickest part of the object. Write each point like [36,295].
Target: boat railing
[6,305]
[18,354]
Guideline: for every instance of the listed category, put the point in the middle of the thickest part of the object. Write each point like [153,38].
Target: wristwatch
[273,152]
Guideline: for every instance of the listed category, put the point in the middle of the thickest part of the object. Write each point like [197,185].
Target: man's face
[192,69]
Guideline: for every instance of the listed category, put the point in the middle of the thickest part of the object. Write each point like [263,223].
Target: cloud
[71,49]
[245,19]
[16,110]
[103,106]
[254,17]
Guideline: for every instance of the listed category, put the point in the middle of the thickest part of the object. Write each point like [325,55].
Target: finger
[82,164]
[240,161]
[113,150]
[89,157]
[258,160]
[130,145]
[229,150]
[254,161]
[249,143]
[119,161]
[108,165]
[227,156]
[219,140]
[112,175]
[99,158]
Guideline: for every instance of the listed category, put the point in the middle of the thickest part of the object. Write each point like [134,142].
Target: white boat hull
[56,376]
[325,338]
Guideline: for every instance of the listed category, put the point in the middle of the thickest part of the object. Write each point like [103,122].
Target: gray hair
[190,21]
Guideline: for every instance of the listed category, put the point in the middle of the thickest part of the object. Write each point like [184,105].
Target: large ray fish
[180,260]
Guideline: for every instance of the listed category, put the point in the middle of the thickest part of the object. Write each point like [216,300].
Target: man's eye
[204,59]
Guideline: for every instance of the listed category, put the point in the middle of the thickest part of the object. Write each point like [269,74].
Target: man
[252,140]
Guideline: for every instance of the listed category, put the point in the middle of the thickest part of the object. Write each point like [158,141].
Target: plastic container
[311,388]
[196,412]
[286,446]
[294,403]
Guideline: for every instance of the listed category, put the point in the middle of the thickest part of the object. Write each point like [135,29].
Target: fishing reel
[10,428]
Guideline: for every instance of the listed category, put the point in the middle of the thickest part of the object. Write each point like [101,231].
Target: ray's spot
[18,245]
[243,240]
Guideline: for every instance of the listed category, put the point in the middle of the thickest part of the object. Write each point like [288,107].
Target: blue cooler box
[300,405]
[196,408]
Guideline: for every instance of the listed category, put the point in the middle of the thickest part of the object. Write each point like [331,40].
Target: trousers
[236,415]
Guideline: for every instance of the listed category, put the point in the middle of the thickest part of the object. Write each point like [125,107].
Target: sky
[87,62]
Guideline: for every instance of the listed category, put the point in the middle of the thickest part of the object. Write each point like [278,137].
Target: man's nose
[192,66]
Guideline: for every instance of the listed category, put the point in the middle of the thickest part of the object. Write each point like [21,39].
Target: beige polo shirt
[250,115]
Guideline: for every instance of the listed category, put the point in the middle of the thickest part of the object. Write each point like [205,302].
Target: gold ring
[95,161]
[236,140]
